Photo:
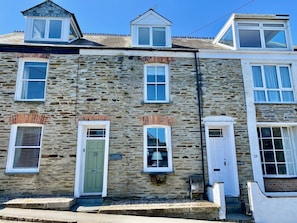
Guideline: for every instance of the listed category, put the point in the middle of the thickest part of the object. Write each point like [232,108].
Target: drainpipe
[199,98]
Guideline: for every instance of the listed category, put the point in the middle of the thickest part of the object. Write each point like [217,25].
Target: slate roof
[113,41]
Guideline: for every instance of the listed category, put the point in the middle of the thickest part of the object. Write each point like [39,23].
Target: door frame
[80,155]
[227,123]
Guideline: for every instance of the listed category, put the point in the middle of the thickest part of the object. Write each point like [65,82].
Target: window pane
[35,70]
[267,144]
[28,136]
[55,29]
[269,156]
[280,156]
[26,158]
[151,92]
[273,96]
[159,37]
[161,92]
[161,137]
[227,38]
[259,96]
[249,38]
[281,168]
[38,29]
[270,169]
[276,132]
[285,77]
[266,132]
[288,96]
[152,137]
[33,90]
[144,36]
[275,39]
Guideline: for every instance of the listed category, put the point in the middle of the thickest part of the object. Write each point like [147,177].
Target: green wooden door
[94,166]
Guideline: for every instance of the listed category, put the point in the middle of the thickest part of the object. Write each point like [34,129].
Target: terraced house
[142,115]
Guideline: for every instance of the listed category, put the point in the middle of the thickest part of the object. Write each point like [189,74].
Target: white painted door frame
[226,123]
[80,155]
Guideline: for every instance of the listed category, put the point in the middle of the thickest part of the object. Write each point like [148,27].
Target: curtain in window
[159,37]
[286,83]
[289,153]
[259,95]
[271,83]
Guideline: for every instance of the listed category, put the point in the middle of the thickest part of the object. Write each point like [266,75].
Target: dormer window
[48,22]
[256,32]
[151,30]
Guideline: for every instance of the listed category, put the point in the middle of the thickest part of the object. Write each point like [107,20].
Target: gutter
[199,98]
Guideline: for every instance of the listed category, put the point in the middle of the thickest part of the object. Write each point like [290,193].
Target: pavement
[50,216]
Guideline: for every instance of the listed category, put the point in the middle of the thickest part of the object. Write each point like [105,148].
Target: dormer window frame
[261,23]
[151,21]
[66,24]
[261,26]
[151,37]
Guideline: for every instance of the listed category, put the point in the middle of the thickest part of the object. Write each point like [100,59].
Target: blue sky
[200,18]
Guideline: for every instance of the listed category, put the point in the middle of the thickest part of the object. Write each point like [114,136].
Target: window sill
[275,103]
[280,177]
[20,173]
[28,101]
[157,173]
[156,102]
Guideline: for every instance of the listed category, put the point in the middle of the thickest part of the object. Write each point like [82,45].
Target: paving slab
[49,216]
[55,203]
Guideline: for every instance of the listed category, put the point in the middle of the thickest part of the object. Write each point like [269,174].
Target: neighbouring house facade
[136,116]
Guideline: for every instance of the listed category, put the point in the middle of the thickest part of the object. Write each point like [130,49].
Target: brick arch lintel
[165,60]
[157,120]
[93,117]
[28,118]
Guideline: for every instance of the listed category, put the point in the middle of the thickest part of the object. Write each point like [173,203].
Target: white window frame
[260,26]
[11,150]
[65,27]
[19,86]
[292,132]
[147,169]
[166,67]
[280,89]
[151,36]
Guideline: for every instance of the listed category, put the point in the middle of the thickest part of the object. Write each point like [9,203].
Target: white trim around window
[25,147]
[31,80]
[157,150]
[156,83]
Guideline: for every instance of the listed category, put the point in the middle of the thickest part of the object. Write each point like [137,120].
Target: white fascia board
[116,52]
[261,55]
